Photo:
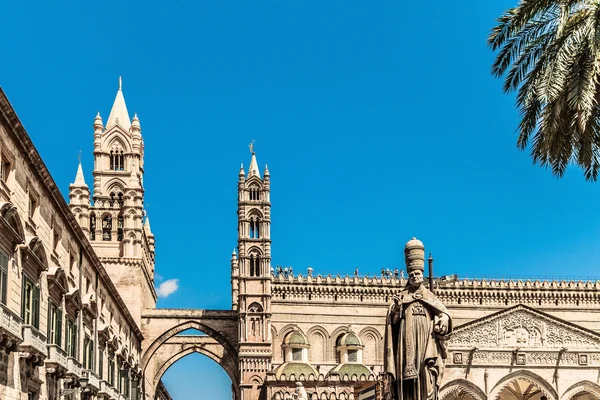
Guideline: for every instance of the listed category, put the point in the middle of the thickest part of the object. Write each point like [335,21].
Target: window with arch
[117,160]
[107,227]
[3,277]
[255,320]
[254,228]
[92,226]
[254,264]
[254,192]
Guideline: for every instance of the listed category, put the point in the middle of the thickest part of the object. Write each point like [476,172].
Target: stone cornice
[30,154]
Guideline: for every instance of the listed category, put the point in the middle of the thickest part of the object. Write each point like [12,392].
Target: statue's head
[415,277]
[414,256]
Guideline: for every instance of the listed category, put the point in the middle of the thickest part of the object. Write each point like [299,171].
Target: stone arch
[115,185]
[318,337]
[118,139]
[371,353]
[10,216]
[454,390]
[160,340]
[580,388]
[528,376]
[205,351]
[335,335]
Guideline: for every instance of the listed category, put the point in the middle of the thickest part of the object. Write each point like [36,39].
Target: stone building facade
[70,326]
[79,316]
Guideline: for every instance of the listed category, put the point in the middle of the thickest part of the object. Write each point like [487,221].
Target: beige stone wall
[62,247]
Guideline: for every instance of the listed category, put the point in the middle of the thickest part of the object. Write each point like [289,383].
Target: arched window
[121,161]
[120,199]
[254,228]
[107,227]
[254,265]
[92,226]
[120,227]
[112,199]
[254,193]
[117,159]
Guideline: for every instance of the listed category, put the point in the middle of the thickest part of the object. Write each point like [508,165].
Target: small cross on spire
[79,156]
[120,83]
[251,146]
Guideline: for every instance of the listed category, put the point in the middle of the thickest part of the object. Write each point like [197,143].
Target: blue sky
[379,121]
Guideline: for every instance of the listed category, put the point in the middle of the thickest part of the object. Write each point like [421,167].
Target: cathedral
[79,316]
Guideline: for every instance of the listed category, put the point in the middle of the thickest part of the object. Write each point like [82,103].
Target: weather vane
[251,146]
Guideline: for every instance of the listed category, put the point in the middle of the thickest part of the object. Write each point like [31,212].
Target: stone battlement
[461,292]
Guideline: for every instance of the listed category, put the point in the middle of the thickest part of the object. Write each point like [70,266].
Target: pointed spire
[135,122]
[147,224]
[266,173]
[118,113]
[253,170]
[79,179]
[234,255]
[98,121]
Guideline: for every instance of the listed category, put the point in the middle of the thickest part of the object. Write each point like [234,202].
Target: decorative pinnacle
[251,146]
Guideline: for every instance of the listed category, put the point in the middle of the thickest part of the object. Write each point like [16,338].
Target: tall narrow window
[112,160]
[71,338]
[32,206]
[120,228]
[254,228]
[107,227]
[120,199]
[93,226]
[3,277]
[111,371]
[54,323]
[101,363]
[88,353]
[121,158]
[4,169]
[30,303]
[254,265]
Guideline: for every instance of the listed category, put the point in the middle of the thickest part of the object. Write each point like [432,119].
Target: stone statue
[417,326]
[300,392]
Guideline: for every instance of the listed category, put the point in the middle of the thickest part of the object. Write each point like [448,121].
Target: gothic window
[254,193]
[254,228]
[121,159]
[112,199]
[117,160]
[120,199]
[120,227]
[92,226]
[107,227]
[254,265]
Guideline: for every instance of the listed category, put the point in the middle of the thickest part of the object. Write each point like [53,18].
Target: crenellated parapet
[494,292]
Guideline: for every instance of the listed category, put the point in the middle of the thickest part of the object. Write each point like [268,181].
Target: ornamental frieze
[522,327]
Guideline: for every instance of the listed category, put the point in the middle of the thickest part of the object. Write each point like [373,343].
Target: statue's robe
[414,353]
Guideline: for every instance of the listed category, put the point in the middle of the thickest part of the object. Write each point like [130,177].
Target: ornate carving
[524,328]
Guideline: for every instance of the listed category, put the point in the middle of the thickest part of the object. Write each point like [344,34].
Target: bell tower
[251,273]
[115,222]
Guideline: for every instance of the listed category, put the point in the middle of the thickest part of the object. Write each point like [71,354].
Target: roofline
[25,144]
[528,308]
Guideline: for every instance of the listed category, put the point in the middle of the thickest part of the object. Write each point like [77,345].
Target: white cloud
[167,288]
